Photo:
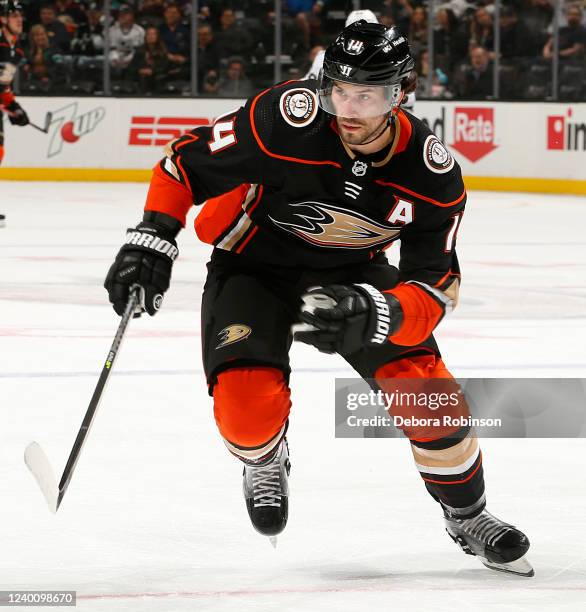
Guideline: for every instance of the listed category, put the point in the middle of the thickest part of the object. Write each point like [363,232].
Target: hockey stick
[45,130]
[34,456]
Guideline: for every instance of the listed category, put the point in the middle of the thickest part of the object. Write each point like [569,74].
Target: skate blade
[273,541]
[519,567]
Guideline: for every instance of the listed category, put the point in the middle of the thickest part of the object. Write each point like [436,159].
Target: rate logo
[474,132]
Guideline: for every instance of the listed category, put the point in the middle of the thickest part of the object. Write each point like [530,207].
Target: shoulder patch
[298,106]
[435,155]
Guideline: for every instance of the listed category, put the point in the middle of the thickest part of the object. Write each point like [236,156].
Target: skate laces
[486,527]
[266,484]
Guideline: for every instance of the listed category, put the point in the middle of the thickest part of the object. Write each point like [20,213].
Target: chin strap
[386,124]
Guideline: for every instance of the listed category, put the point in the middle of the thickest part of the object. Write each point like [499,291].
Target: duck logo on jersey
[233,333]
[436,157]
[330,226]
[354,47]
[298,107]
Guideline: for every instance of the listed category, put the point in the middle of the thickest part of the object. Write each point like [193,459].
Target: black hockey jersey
[301,197]
[11,55]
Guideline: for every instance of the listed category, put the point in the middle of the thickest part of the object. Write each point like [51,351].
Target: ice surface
[154,518]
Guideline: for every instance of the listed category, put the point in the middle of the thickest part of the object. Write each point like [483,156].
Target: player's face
[360,111]
[14,23]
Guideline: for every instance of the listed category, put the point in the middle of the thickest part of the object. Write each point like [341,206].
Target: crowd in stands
[150,48]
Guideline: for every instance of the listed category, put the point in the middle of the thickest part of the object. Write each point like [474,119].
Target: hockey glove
[17,114]
[145,259]
[348,318]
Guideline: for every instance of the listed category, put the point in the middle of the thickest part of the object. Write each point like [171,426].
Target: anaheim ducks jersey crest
[280,186]
[331,226]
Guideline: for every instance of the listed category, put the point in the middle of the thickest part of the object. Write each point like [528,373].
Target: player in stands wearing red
[324,176]
[11,54]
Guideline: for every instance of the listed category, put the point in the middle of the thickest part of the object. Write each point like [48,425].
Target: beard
[363,135]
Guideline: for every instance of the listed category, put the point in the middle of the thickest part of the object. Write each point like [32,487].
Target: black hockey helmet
[10,6]
[367,54]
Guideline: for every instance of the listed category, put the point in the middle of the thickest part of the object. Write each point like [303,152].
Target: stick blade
[41,469]
[48,119]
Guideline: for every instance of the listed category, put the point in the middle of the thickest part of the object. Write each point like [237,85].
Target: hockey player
[11,54]
[334,172]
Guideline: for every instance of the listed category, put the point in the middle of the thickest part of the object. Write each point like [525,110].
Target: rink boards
[500,146]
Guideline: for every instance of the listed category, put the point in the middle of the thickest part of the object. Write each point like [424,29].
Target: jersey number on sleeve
[222,136]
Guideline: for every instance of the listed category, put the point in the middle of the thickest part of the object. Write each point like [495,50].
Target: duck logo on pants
[233,333]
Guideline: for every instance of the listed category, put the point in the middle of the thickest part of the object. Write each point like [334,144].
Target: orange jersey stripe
[421,197]
[168,196]
[6,98]
[247,240]
[405,134]
[421,313]
[218,213]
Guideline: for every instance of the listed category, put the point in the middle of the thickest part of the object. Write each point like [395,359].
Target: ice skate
[266,492]
[499,546]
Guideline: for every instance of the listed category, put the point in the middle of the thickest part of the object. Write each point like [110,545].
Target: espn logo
[158,131]
[563,135]
[474,130]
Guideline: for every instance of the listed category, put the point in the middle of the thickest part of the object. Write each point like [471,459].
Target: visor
[352,100]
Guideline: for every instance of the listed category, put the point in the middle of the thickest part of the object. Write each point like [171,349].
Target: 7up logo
[69,126]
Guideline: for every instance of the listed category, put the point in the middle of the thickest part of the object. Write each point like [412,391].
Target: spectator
[516,39]
[75,10]
[89,38]
[70,25]
[538,15]
[56,31]
[207,54]
[211,82]
[387,19]
[232,38]
[482,30]
[151,62]
[125,37]
[401,12]
[292,39]
[306,15]
[235,84]
[176,38]
[42,66]
[151,12]
[418,31]
[439,80]
[450,42]
[476,80]
[572,36]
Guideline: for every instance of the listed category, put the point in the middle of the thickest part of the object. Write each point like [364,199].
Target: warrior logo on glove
[146,259]
[351,317]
